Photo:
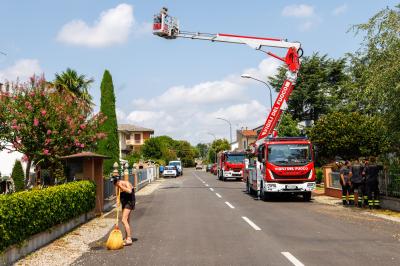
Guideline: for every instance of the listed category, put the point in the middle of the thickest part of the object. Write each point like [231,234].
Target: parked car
[170,171]
[178,165]
[199,167]
[208,168]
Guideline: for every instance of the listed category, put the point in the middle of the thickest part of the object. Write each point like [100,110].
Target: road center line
[218,195]
[255,227]
[292,258]
[211,189]
[230,205]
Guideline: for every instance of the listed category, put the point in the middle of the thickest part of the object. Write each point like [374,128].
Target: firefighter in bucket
[164,25]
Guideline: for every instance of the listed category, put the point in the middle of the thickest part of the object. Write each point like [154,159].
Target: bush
[26,213]
[18,176]
[320,175]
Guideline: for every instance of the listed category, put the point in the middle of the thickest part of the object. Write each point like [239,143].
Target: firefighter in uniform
[372,183]
[345,181]
[364,165]
[357,181]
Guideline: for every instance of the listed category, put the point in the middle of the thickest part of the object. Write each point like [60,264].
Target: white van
[178,165]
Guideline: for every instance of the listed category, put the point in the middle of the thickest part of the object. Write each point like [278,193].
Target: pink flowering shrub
[45,124]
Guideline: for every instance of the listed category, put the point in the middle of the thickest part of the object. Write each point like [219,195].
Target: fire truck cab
[281,165]
[230,164]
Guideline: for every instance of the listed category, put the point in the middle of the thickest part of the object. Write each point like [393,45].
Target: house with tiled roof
[245,137]
[132,137]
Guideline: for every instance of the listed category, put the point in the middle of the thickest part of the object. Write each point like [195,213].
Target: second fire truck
[230,164]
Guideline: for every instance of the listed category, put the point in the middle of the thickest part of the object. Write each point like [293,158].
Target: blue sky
[177,87]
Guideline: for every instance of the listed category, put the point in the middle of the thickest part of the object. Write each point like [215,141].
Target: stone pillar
[126,172]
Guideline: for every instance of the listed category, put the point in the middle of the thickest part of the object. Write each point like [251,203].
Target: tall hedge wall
[26,213]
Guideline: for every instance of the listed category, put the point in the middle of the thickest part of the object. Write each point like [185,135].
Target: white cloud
[340,10]
[112,27]
[22,69]
[308,25]
[298,11]
[189,112]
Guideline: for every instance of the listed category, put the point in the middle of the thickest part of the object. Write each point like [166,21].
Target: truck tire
[307,196]
[263,195]
[248,188]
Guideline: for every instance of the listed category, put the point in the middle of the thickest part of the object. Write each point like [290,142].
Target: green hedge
[26,213]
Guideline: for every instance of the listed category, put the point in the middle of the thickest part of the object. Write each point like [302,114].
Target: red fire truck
[278,164]
[281,165]
[230,164]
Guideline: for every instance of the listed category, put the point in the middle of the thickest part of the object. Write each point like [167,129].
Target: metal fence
[389,183]
[144,177]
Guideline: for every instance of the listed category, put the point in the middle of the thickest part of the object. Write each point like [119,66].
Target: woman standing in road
[128,201]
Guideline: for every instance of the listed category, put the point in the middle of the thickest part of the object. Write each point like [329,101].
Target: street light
[230,126]
[247,76]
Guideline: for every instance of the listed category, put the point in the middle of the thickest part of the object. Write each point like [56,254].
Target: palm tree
[78,85]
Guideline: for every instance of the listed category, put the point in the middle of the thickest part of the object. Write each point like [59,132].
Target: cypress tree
[18,176]
[110,145]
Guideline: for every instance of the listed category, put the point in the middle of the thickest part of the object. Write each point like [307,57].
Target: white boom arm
[168,27]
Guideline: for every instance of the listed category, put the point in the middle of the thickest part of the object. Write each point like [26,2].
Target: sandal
[128,241]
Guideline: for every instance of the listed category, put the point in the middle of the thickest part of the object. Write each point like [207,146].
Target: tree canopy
[110,145]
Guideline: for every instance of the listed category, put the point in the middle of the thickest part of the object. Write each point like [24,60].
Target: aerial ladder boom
[167,27]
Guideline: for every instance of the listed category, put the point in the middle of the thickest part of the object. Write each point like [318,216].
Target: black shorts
[128,200]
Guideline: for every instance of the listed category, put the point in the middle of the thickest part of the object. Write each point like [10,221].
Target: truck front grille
[305,176]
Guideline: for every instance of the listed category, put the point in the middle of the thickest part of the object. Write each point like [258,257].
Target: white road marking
[230,205]
[292,258]
[218,195]
[211,189]
[255,227]
[206,185]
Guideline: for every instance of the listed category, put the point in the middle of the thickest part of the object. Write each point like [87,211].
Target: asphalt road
[199,220]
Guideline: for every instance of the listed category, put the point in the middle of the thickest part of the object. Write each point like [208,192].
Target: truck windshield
[235,158]
[293,154]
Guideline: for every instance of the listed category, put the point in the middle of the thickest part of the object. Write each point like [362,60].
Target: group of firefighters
[361,176]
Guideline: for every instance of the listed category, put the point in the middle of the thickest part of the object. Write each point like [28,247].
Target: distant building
[245,137]
[132,137]
[234,146]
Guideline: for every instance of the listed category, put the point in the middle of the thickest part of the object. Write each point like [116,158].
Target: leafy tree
[379,59]
[186,153]
[108,146]
[211,155]
[288,126]
[133,157]
[153,148]
[71,81]
[320,80]
[220,145]
[18,176]
[202,149]
[349,135]
[44,124]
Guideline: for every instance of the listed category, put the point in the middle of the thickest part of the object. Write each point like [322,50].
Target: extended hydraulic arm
[168,27]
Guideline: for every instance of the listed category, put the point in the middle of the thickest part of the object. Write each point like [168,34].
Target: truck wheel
[248,188]
[307,196]
[264,195]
